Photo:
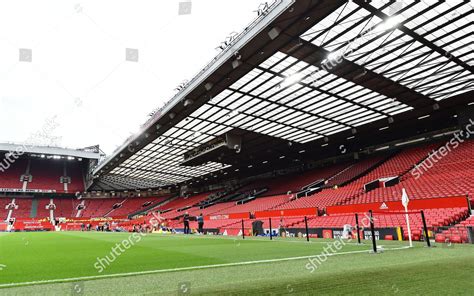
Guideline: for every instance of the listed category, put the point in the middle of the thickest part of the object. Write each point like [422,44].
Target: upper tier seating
[294,183]
[135,204]
[354,170]
[74,171]
[452,175]
[398,164]
[46,174]
[394,166]
[181,202]
[99,207]
[10,177]
[258,204]
[214,209]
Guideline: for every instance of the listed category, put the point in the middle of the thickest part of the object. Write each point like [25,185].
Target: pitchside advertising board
[380,233]
[32,226]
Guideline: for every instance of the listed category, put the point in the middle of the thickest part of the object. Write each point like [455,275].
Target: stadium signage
[214,144]
[26,190]
[218,217]
[336,233]
[415,204]
[32,225]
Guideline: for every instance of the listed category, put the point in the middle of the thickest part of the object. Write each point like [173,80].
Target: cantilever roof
[333,66]
[27,148]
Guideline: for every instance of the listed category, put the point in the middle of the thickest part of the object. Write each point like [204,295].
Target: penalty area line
[190,268]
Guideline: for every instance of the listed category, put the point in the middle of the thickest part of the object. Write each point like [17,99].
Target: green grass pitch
[52,263]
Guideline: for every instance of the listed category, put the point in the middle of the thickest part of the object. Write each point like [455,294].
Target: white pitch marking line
[95,277]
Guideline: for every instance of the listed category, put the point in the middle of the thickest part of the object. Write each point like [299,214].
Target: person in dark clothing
[200,220]
[186,223]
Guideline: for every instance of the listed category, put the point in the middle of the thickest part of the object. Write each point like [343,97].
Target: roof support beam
[314,55]
[415,36]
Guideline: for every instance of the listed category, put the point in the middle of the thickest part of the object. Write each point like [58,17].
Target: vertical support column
[270,221]
[306,226]
[357,228]
[425,229]
[372,231]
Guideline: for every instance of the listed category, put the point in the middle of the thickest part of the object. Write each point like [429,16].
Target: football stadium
[326,148]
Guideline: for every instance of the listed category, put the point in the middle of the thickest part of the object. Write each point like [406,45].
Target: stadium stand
[65,207]
[99,207]
[259,204]
[74,171]
[454,171]
[457,233]
[41,211]
[3,210]
[395,166]
[10,174]
[295,183]
[24,208]
[46,174]
[468,222]
[132,205]
[342,184]
[213,209]
[452,175]
[354,170]
[173,206]
[434,218]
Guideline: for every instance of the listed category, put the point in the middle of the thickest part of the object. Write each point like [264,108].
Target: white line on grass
[95,277]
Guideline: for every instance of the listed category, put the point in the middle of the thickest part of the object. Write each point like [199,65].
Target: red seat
[440,238]
[456,239]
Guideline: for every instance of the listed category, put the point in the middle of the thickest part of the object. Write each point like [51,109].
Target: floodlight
[294,78]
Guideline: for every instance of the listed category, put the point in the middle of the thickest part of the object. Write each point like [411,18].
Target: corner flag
[405,201]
